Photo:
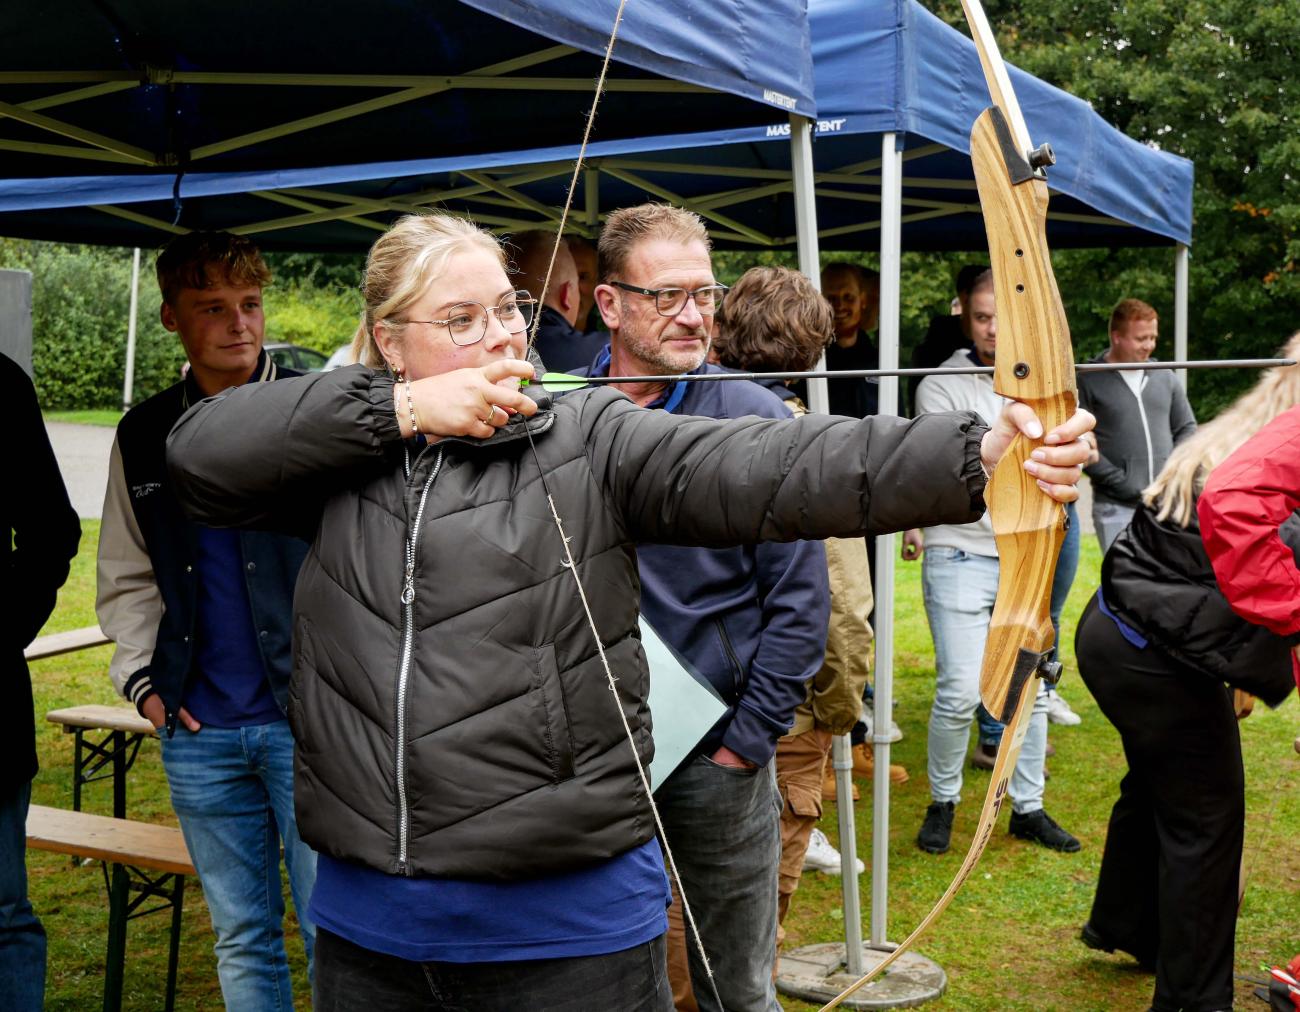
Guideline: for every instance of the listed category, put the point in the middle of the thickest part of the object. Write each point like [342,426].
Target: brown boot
[864,765]
[828,786]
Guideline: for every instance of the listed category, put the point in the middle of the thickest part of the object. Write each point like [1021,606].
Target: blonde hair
[401,266]
[628,226]
[1173,493]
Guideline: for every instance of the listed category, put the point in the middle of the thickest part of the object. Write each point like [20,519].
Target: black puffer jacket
[472,732]
[1158,579]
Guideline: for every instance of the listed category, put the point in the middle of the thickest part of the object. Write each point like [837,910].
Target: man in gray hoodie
[1141,417]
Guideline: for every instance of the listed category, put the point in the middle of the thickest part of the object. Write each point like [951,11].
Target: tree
[1214,83]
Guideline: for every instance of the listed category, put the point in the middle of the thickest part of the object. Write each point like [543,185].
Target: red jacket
[1245,501]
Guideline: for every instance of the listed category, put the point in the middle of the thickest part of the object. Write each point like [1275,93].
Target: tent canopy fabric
[127,87]
[883,66]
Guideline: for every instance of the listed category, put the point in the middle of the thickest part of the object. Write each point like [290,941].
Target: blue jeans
[232,789]
[1067,564]
[960,589]
[22,939]
[724,829]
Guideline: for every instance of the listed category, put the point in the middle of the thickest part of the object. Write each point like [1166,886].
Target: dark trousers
[724,828]
[1169,873]
[350,978]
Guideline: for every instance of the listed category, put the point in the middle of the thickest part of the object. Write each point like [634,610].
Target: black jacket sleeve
[272,453]
[45,527]
[683,480]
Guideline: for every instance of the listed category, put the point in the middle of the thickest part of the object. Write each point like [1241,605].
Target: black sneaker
[1041,828]
[936,830]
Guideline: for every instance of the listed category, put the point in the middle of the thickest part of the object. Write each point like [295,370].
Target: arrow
[558,382]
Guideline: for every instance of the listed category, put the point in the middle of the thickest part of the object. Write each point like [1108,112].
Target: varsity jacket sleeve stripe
[128,601]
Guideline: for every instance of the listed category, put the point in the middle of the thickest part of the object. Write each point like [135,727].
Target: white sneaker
[1059,712]
[821,856]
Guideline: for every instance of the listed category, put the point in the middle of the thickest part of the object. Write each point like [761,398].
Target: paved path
[82,452]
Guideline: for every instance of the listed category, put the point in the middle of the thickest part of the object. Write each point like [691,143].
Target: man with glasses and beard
[751,619]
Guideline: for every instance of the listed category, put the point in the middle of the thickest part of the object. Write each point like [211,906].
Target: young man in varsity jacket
[202,620]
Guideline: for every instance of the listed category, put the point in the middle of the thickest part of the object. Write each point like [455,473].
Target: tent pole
[1180,309]
[805,223]
[891,213]
[805,216]
[128,383]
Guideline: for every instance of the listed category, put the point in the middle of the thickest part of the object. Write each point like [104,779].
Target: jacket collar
[264,371]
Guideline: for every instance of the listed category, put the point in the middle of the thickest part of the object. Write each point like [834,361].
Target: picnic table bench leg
[119,774]
[115,956]
[178,899]
[77,768]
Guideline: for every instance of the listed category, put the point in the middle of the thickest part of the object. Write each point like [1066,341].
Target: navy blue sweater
[753,619]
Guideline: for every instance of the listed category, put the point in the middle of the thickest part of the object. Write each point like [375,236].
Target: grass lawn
[107,417]
[1008,941]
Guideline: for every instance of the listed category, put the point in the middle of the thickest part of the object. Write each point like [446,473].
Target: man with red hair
[1141,417]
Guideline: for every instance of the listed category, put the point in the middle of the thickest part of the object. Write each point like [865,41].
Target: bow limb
[1034,364]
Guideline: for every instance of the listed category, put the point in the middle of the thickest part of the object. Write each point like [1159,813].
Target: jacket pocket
[304,660]
[733,662]
[558,739]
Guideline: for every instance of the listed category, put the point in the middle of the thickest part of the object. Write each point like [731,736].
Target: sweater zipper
[1146,431]
[404,664]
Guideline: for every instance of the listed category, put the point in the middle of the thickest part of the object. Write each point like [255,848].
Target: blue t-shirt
[605,908]
[229,687]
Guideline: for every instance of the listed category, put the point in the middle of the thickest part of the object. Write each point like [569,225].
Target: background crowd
[781,631]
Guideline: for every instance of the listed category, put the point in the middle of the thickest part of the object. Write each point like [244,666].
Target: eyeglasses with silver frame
[467,321]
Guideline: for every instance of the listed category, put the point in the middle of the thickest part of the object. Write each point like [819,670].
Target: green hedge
[80,306]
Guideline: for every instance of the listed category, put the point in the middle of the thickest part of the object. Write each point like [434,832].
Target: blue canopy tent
[884,67]
[897,91]
[115,112]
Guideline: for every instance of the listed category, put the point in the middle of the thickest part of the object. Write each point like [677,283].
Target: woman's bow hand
[1056,465]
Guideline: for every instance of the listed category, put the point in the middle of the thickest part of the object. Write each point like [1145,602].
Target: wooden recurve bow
[1034,364]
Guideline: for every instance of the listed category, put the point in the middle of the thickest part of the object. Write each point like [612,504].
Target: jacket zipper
[404,663]
[1146,431]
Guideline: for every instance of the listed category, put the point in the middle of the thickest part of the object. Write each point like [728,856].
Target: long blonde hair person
[1173,493]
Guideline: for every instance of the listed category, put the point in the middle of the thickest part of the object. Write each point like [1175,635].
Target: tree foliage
[80,307]
[1212,82]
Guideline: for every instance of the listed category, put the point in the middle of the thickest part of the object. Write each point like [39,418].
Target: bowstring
[569,562]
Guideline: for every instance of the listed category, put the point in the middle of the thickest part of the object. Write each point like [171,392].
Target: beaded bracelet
[410,407]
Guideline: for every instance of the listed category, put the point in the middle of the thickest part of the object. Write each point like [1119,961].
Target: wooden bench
[65,642]
[116,751]
[148,862]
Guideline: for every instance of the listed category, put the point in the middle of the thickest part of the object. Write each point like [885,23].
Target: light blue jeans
[232,790]
[22,939]
[960,589]
[1067,564]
